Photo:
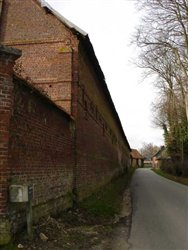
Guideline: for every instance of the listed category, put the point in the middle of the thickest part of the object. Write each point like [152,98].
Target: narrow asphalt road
[160,213]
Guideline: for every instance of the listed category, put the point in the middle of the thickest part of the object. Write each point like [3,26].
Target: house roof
[8,50]
[136,155]
[160,153]
[84,38]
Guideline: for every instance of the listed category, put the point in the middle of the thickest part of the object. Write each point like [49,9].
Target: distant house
[147,162]
[160,155]
[137,160]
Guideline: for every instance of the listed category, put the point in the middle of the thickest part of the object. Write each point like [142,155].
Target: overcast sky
[110,25]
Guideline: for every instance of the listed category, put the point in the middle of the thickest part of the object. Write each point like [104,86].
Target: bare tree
[148,150]
[164,34]
[163,41]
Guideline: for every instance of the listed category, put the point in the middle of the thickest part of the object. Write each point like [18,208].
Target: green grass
[107,202]
[9,247]
[178,179]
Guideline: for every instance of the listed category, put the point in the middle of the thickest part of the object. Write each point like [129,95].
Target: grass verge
[178,179]
[107,202]
[86,225]
[9,247]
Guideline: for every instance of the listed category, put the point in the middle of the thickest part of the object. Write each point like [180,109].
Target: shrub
[175,168]
[185,168]
[167,166]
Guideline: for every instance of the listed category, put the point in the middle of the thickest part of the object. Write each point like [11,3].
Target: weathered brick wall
[7,59]
[50,59]
[36,148]
[46,45]
[102,151]
[26,22]
[41,150]
[49,68]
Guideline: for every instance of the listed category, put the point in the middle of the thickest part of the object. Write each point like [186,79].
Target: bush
[175,168]
[185,168]
[167,166]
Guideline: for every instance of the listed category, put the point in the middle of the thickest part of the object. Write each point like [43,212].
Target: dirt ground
[75,229]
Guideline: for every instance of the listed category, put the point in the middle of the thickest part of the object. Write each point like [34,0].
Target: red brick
[43,148]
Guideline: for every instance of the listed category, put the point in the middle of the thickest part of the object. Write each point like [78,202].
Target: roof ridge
[64,20]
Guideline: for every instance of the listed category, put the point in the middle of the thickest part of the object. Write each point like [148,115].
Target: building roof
[136,155]
[65,21]
[11,51]
[84,38]
[161,153]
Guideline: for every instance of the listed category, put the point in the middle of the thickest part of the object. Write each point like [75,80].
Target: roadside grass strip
[179,179]
[106,202]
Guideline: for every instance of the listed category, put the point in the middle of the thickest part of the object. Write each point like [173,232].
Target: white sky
[110,25]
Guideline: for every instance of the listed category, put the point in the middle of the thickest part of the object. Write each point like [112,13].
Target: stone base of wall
[18,219]
[5,229]
[53,207]
[90,187]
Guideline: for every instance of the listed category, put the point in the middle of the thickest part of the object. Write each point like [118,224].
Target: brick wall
[102,151]
[53,61]
[49,68]
[46,44]
[36,148]
[7,59]
[25,22]
[41,149]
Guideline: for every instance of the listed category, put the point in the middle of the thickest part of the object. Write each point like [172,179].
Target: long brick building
[63,134]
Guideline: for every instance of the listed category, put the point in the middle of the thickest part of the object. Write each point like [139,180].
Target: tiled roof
[136,155]
[161,153]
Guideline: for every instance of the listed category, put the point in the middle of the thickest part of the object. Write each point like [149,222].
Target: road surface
[160,213]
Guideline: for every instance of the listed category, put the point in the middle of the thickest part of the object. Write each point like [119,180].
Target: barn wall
[36,149]
[102,151]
